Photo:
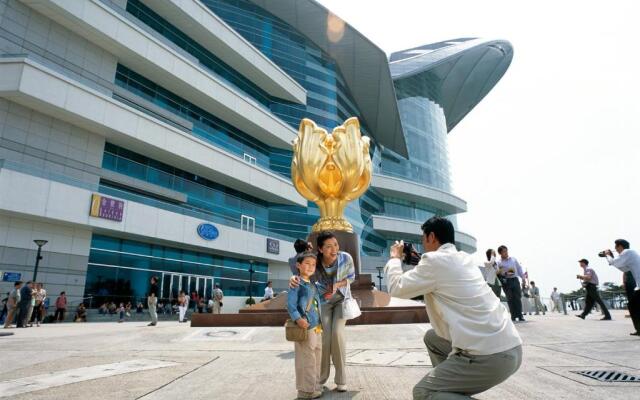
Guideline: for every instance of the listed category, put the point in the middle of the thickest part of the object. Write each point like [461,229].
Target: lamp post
[39,243]
[251,271]
[380,277]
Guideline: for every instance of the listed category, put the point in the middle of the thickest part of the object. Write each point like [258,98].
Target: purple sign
[106,207]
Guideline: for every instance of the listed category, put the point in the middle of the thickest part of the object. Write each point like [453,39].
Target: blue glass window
[119,270]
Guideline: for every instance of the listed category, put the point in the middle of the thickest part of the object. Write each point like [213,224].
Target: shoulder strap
[311,298]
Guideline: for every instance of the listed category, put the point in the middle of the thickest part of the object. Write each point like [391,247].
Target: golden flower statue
[331,169]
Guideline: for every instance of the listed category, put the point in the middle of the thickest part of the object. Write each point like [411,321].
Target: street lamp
[251,271]
[39,243]
[380,276]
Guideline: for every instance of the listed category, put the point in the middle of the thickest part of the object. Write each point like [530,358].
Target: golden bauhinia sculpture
[331,169]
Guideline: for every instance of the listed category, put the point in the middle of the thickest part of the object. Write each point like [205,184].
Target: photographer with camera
[628,261]
[473,345]
[590,283]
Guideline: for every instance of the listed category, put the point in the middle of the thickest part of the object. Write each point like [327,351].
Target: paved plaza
[174,361]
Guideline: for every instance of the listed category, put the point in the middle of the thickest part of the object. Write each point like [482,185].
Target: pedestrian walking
[40,295]
[61,307]
[555,300]
[152,300]
[218,295]
[510,269]
[13,302]
[195,301]
[473,345]
[590,283]
[490,272]
[526,304]
[535,297]
[26,293]
[183,304]
[121,311]
[628,261]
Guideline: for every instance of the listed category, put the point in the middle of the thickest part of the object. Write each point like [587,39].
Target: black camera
[603,253]
[411,255]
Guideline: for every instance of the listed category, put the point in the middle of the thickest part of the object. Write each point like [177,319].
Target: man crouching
[473,345]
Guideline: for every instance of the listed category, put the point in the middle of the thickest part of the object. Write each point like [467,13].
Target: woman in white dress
[489,271]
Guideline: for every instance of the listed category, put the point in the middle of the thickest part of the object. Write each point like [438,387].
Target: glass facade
[328,103]
[120,270]
[425,127]
[221,204]
[205,125]
[328,100]
[204,57]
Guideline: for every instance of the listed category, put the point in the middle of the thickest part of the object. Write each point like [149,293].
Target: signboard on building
[273,246]
[208,231]
[106,207]
[11,276]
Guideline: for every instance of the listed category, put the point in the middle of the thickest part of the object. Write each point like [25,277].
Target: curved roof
[458,73]
[363,65]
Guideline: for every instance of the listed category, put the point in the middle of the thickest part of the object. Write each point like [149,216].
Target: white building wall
[23,30]
[33,138]
[65,256]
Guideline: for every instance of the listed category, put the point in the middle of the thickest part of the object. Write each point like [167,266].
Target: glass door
[165,286]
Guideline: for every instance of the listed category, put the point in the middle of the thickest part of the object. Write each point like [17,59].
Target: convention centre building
[153,137]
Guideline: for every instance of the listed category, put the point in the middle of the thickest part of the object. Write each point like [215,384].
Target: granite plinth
[377,308]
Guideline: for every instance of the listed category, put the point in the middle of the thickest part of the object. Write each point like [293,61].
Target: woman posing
[334,273]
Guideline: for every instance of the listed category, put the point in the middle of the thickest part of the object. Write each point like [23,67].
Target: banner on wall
[106,208]
[273,246]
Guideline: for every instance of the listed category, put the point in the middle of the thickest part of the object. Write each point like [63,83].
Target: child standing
[303,306]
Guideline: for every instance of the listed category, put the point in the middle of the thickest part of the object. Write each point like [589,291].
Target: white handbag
[350,308]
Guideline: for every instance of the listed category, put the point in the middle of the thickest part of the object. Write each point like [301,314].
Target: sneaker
[605,318]
[580,316]
[341,388]
[151,324]
[635,334]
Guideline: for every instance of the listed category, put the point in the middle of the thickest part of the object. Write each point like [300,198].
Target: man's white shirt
[461,306]
[628,260]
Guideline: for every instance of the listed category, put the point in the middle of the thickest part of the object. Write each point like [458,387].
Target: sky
[549,160]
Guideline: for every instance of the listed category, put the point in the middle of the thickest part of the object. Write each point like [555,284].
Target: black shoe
[635,334]
[605,318]
[580,316]
[151,324]
[521,319]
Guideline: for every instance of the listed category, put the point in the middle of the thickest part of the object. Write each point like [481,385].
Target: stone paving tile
[384,361]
